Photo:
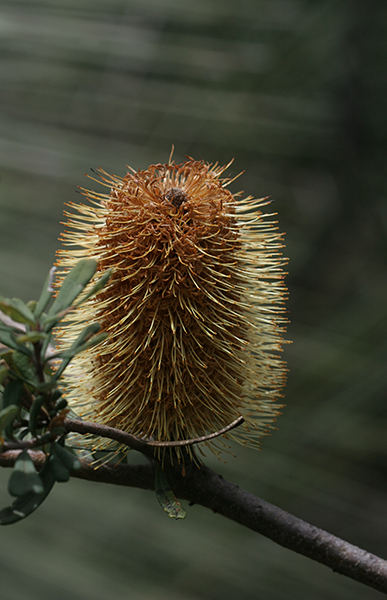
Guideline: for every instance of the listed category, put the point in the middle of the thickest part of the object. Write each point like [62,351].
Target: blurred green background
[295,91]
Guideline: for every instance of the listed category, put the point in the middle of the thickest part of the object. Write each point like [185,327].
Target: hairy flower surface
[194,309]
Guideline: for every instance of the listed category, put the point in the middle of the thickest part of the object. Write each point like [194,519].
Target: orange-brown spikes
[193,309]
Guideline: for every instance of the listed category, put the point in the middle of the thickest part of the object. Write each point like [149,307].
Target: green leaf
[91,342]
[7,416]
[17,310]
[73,284]
[25,505]
[166,497]
[45,386]
[60,369]
[24,368]
[32,336]
[12,397]
[56,394]
[3,373]
[60,472]
[85,335]
[24,478]
[7,338]
[12,393]
[10,327]
[74,349]
[61,404]
[69,460]
[31,304]
[34,413]
[97,286]
[7,358]
[58,468]
[44,348]
[46,294]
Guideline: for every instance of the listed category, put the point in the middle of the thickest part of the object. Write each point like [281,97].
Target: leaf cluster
[32,408]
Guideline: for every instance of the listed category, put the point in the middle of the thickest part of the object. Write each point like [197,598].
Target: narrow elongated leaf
[32,337]
[24,478]
[60,471]
[17,310]
[34,413]
[6,356]
[9,340]
[97,286]
[7,416]
[96,339]
[46,295]
[3,373]
[26,504]
[69,459]
[61,404]
[56,394]
[11,397]
[85,335]
[12,393]
[73,284]
[166,497]
[6,324]
[24,368]
[67,355]
[46,386]
[45,347]
[60,369]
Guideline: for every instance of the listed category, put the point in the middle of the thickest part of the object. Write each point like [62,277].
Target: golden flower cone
[194,309]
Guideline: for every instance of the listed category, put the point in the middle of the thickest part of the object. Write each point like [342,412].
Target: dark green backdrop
[295,91]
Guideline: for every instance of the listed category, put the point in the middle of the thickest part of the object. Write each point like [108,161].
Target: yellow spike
[194,309]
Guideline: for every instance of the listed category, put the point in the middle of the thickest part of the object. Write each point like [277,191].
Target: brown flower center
[176,196]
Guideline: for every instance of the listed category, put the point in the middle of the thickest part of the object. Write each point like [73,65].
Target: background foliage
[295,91]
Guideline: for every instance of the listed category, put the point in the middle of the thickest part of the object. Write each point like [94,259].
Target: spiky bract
[193,310]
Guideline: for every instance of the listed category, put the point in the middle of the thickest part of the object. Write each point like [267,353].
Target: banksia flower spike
[193,311]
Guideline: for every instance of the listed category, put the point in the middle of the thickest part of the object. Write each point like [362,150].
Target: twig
[105,431]
[117,435]
[203,486]
[209,489]
[136,443]
[198,440]
[27,444]
[139,476]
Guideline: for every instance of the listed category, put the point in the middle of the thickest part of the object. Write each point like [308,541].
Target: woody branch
[205,487]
